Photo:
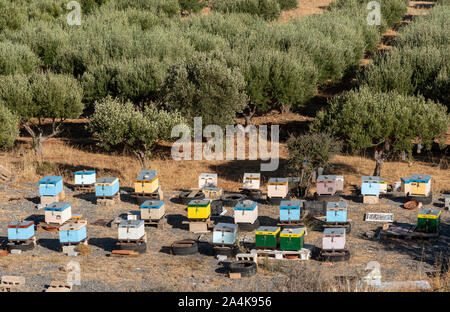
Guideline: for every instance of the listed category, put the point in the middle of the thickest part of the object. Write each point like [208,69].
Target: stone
[16,251]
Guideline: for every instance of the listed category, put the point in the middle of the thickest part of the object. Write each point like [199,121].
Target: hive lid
[226,227]
[293,231]
[152,204]
[278,180]
[424,178]
[333,231]
[199,202]
[327,178]
[208,175]
[131,223]
[72,226]
[107,180]
[252,176]
[57,206]
[85,172]
[211,188]
[246,205]
[289,203]
[267,230]
[337,205]
[50,180]
[370,179]
[147,175]
[20,224]
[427,213]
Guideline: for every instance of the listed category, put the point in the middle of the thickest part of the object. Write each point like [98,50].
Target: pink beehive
[329,184]
[333,239]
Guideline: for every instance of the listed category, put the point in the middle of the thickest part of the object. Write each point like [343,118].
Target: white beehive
[252,181]
[207,179]
[131,230]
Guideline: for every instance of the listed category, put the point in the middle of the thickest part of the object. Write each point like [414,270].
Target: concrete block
[16,251]
[371,200]
[222,257]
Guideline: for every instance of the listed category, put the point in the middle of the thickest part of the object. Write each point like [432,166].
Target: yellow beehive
[147,182]
[199,209]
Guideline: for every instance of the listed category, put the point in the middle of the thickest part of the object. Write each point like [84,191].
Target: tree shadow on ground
[50,243]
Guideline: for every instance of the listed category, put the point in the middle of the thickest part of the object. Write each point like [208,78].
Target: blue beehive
[225,234]
[107,187]
[85,177]
[337,211]
[290,210]
[20,230]
[370,185]
[50,186]
[72,232]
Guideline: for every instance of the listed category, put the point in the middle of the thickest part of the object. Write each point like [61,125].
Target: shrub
[288,4]
[9,129]
[191,5]
[16,58]
[363,119]
[205,87]
[267,9]
[12,16]
[168,8]
[117,123]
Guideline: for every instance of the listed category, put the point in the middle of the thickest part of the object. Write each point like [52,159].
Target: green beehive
[267,237]
[428,220]
[292,239]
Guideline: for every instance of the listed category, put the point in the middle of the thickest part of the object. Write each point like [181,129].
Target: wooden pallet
[142,197]
[84,188]
[200,226]
[160,224]
[83,242]
[108,200]
[23,241]
[303,254]
[124,253]
[54,227]
[336,224]
[404,231]
[299,223]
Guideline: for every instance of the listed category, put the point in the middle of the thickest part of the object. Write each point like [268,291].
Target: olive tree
[9,130]
[205,87]
[310,151]
[39,99]
[117,123]
[17,58]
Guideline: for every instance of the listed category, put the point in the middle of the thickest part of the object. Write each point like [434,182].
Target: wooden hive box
[72,232]
[277,187]
[337,211]
[292,239]
[419,185]
[20,230]
[252,181]
[107,187]
[328,184]
[212,192]
[85,177]
[152,209]
[333,239]
[290,210]
[50,186]
[370,185]
[199,209]
[207,179]
[58,212]
[428,220]
[147,182]
[267,237]
[225,234]
[246,211]
[131,230]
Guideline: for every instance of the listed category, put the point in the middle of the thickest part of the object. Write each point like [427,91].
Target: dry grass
[305,8]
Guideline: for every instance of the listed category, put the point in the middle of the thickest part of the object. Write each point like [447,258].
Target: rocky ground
[158,270]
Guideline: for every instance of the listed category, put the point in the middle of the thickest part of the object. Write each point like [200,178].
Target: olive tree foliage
[267,9]
[310,151]
[9,127]
[204,86]
[364,118]
[11,16]
[17,58]
[39,98]
[117,123]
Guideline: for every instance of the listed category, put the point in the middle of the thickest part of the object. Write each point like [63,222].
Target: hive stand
[142,197]
[293,223]
[84,188]
[70,244]
[200,226]
[12,283]
[160,223]
[334,255]
[124,253]
[22,244]
[56,286]
[404,231]
[54,227]
[371,199]
[108,200]
[247,257]
[303,254]
[47,200]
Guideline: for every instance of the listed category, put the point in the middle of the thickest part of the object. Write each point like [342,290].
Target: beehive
[212,192]
[72,232]
[58,212]
[292,239]
[199,209]
[152,210]
[290,210]
[428,220]
[50,186]
[131,230]
[419,185]
[85,177]
[106,187]
[267,236]
[246,212]
[252,181]
[337,211]
[370,185]
[20,230]
[207,179]
[277,187]
[147,182]
[333,239]
[329,184]
[225,234]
